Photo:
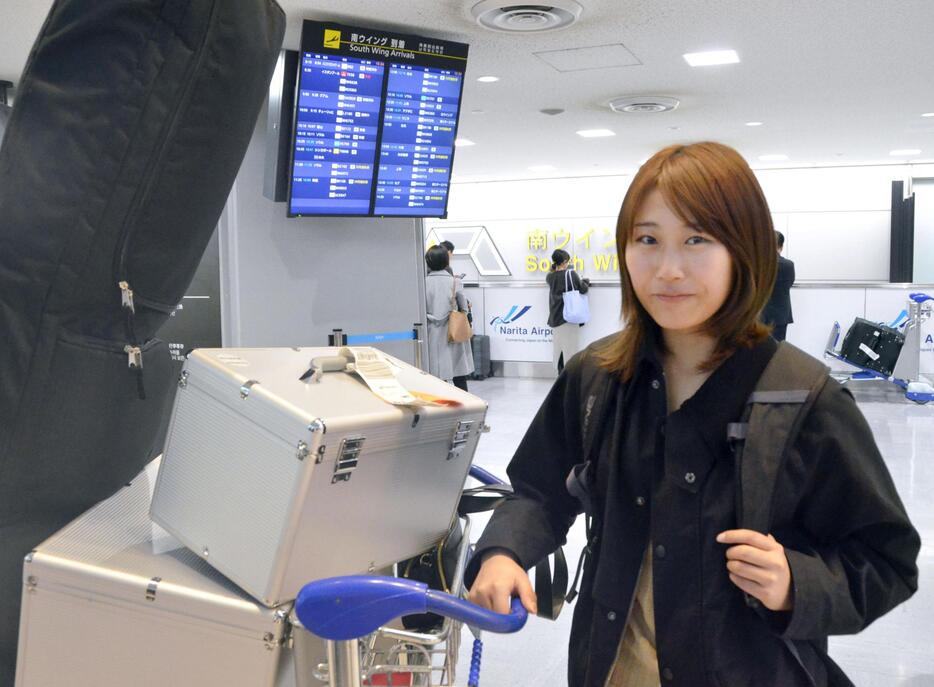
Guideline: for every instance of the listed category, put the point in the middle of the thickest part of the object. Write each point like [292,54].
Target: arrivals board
[375,122]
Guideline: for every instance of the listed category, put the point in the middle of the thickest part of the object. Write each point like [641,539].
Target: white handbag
[576,305]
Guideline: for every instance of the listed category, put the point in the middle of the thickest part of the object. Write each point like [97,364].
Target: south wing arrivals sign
[520,250]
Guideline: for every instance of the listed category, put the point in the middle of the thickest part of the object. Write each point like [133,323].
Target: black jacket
[668,480]
[557,285]
[778,309]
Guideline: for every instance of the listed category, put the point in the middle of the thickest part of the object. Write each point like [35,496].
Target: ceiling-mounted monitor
[375,120]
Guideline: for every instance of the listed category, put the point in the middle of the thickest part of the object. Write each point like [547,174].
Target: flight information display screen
[417,146]
[376,116]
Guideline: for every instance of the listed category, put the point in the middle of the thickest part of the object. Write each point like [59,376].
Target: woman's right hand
[501,578]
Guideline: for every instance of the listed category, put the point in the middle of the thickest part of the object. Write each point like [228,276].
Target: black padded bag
[129,127]
[872,345]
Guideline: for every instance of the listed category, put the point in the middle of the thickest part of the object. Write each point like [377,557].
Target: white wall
[289,282]
[836,220]
[924,230]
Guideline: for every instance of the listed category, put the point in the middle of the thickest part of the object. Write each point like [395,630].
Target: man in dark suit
[777,312]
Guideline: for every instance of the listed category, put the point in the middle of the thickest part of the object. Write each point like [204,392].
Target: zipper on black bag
[127,300]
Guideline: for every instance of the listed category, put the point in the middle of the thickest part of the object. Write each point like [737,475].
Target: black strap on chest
[761,441]
[771,421]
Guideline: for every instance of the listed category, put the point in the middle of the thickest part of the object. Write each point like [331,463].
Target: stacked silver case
[113,600]
[268,478]
[276,480]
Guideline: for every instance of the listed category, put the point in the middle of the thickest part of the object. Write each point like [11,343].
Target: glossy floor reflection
[896,651]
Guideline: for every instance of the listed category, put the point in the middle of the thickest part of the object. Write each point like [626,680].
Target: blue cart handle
[920,297]
[484,476]
[343,608]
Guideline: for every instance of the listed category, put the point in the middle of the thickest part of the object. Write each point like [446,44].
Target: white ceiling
[834,81]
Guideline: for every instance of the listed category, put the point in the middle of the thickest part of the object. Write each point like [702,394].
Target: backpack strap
[772,419]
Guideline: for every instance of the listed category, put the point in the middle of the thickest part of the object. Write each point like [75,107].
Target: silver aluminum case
[249,481]
[93,614]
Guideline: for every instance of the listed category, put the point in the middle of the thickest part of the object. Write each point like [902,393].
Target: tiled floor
[896,651]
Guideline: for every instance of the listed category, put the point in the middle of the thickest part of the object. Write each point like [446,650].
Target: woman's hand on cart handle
[499,580]
[345,608]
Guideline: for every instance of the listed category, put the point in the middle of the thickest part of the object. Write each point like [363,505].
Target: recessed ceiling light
[902,152]
[711,58]
[773,158]
[753,123]
[928,114]
[542,168]
[595,133]
[488,79]
[463,142]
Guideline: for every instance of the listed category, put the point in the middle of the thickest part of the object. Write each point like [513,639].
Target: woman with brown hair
[675,591]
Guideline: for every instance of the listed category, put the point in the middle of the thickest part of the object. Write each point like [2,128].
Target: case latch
[152,588]
[347,457]
[461,434]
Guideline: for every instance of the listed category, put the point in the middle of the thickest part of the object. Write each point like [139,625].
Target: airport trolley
[351,613]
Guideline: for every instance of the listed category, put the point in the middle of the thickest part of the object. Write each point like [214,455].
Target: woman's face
[681,275]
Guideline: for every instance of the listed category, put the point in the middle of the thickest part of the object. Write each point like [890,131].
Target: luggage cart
[348,610]
[906,374]
[351,613]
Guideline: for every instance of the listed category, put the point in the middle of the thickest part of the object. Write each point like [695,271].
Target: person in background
[674,590]
[460,381]
[777,312]
[451,362]
[449,247]
[566,335]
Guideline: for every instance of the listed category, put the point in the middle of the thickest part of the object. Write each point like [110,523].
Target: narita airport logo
[505,324]
[514,314]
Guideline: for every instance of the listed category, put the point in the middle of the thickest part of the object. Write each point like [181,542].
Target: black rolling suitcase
[130,125]
[483,366]
[872,345]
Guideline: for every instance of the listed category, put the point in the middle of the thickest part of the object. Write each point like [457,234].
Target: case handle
[322,364]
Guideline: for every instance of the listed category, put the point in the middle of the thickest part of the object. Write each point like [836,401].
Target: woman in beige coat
[445,360]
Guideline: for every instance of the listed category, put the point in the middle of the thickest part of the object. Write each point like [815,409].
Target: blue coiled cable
[474,679]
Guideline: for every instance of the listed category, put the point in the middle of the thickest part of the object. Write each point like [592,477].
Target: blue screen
[373,138]
[418,140]
[337,122]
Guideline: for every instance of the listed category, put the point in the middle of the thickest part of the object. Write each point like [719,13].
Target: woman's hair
[437,258]
[559,257]
[709,185]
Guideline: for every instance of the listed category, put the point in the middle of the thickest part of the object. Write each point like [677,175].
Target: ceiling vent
[644,103]
[500,15]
